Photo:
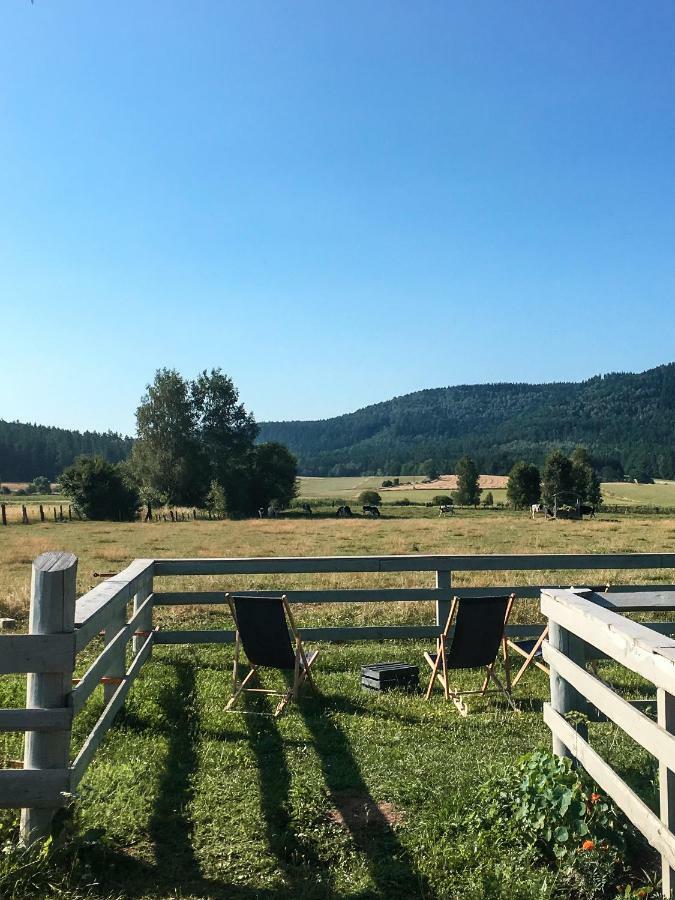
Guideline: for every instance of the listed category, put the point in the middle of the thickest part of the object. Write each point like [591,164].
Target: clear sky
[335,202]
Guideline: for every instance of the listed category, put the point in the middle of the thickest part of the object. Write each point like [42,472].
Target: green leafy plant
[546,803]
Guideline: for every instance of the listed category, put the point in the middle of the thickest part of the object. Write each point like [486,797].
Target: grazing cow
[587,510]
[307,509]
[343,512]
[371,511]
[446,509]
[536,508]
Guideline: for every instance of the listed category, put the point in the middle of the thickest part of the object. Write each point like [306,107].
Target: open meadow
[349,795]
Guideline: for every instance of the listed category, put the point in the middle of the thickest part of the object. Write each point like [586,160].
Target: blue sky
[334,202]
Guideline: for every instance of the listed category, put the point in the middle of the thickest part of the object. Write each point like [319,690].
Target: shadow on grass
[304,872]
[170,826]
[391,868]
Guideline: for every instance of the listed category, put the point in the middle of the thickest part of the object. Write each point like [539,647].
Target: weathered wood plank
[358,633]
[21,653]
[639,727]
[35,719]
[105,720]
[359,595]
[413,563]
[636,601]
[655,832]
[34,788]
[95,608]
[91,678]
[640,649]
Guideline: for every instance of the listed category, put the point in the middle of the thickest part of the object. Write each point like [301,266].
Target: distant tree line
[28,449]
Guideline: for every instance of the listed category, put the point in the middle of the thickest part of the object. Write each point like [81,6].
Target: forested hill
[30,450]
[625,420]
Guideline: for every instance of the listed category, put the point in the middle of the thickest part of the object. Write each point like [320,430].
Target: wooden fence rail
[61,627]
[576,623]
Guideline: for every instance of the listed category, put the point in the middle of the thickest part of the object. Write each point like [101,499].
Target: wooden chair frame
[531,655]
[301,672]
[440,663]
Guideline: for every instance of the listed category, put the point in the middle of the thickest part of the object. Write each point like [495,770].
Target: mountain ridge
[627,421]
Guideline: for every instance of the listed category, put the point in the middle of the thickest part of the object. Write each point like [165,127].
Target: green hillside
[627,421]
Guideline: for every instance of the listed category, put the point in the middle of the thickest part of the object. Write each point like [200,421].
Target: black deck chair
[478,633]
[532,649]
[262,629]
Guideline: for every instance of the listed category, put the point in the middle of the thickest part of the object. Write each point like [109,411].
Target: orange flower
[588,845]
[595,798]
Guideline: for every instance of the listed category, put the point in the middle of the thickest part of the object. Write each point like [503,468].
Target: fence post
[144,591]
[565,698]
[42,513]
[52,611]
[665,706]
[444,582]
[117,664]
[4,514]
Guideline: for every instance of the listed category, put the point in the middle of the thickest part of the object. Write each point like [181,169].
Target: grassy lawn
[350,794]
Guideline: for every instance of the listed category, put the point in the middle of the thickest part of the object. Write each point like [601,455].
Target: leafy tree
[488,499]
[275,476]
[99,489]
[524,485]
[167,456]
[225,433]
[370,498]
[468,490]
[442,500]
[40,485]
[586,482]
[215,499]
[429,469]
[557,477]
[387,483]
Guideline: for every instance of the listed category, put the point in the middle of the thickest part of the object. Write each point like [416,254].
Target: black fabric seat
[268,636]
[474,642]
[263,631]
[479,629]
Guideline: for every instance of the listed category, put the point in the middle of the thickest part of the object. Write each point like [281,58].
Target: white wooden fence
[61,627]
[578,624]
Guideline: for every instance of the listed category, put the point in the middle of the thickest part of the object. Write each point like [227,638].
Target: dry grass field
[108,547]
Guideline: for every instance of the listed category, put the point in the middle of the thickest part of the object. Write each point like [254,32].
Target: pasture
[346,488]
[661,494]
[350,794]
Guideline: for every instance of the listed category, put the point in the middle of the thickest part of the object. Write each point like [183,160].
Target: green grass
[190,801]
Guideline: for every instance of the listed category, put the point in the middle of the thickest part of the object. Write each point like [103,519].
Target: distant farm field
[660,494]
[345,488]
[413,488]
